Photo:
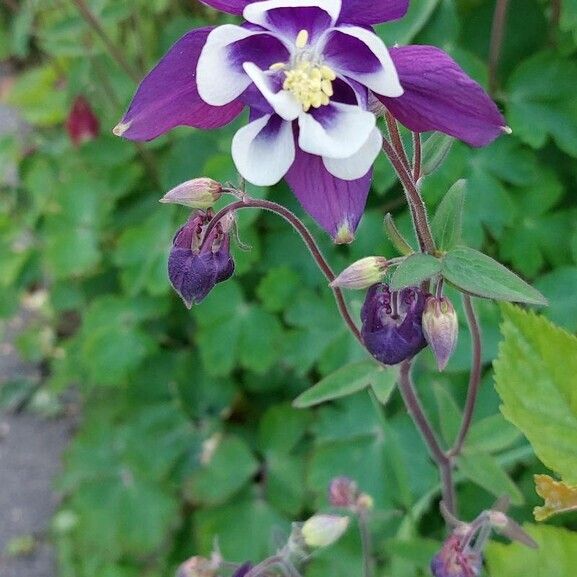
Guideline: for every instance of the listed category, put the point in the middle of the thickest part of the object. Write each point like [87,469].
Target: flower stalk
[307,238]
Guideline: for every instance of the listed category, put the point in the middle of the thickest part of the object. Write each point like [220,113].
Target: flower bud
[200,566]
[457,558]
[392,330]
[199,193]
[362,274]
[196,264]
[441,328]
[323,530]
[343,492]
[82,124]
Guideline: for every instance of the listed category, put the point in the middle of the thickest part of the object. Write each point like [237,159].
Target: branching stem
[308,239]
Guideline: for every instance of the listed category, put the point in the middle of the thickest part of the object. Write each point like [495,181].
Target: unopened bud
[199,193]
[441,328]
[82,124]
[365,502]
[362,274]
[343,492]
[200,566]
[323,530]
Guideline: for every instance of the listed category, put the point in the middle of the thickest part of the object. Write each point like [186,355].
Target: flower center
[306,78]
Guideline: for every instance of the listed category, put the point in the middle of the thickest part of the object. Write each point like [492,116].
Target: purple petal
[290,21]
[440,96]
[230,6]
[367,12]
[168,95]
[358,53]
[336,205]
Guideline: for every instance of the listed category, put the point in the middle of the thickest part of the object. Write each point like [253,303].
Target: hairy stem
[417,156]
[497,32]
[396,139]
[414,199]
[417,413]
[114,51]
[366,543]
[474,378]
[308,239]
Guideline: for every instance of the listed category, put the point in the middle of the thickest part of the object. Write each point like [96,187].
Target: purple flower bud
[82,124]
[242,570]
[441,328]
[392,330]
[457,558]
[195,264]
[343,492]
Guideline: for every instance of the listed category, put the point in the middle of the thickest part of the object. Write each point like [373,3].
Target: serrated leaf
[556,555]
[414,270]
[228,469]
[485,471]
[345,381]
[478,274]
[559,497]
[535,378]
[542,101]
[448,220]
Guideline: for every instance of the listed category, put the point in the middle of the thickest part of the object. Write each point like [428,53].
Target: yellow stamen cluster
[311,85]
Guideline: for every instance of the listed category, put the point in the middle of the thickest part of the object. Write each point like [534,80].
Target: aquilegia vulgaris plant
[324,95]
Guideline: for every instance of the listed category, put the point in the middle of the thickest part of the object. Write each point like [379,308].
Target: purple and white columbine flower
[306,69]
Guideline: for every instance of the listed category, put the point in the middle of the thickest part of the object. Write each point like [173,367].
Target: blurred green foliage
[188,431]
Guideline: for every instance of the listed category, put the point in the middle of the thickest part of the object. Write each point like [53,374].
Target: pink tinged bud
[457,558]
[200,193]
[362,274]
[82,124]
[200,566]
[441,328]
[323,530]
[343,492]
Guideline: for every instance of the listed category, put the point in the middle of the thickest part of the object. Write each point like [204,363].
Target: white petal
[341,135]
[219,81]
[256,11]
[385,80]
[263,154]
[283,102]
[359,163]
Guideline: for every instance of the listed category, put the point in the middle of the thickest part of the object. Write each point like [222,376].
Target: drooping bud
[462,552]
[441,328]
[392,330]
[199,193]
[343,492]
[82,124]
[457,558]
[196,264]
[323,530]
[362,274]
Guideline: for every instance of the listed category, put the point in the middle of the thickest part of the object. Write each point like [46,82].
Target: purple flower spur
[392,323]
[196,265]
[306,70]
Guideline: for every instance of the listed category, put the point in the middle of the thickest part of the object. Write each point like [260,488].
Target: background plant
[189,429]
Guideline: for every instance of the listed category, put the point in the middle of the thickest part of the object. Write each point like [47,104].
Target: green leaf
[555,557]
[483,469]
[535,377]
[277,288]
[478,274]
[345,381]
[542,101]
[415,269]
[448,220]
[492,434]
[226,472]
[435,150]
